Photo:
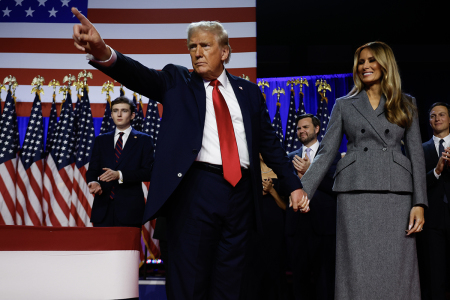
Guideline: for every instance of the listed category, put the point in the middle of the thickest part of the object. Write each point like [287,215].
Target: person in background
[312,236]
[434,243]
[121,160]
[381,193]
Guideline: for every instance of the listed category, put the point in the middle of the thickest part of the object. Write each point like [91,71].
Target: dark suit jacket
[436,188]
[183,95]
[323,205]
[135,163]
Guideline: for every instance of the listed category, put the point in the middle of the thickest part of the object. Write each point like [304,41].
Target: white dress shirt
[313,152]
[446,144]
[210,151]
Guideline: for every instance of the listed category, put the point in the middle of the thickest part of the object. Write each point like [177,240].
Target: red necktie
[117,153]
[228,147]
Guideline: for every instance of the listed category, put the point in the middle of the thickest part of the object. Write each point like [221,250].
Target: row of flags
[44,184]
[291,141]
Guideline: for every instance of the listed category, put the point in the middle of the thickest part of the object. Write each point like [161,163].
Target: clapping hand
[301,165]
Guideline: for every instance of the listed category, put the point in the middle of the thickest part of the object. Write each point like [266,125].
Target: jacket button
[365,148]
[194,151]
[179,174]
[363,130]
[386,131]
[384,149]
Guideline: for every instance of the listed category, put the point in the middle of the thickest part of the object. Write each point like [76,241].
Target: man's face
[122,115]
[206,55]
[306,132]
[440,120]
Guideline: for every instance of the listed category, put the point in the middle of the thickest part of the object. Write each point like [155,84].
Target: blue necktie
[441,149]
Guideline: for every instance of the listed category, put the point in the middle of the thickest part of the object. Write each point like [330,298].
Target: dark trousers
[433,247]
[111,220]
[313,265]
[208,225]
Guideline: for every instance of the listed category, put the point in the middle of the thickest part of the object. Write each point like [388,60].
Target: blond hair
[399,109]
[215,28]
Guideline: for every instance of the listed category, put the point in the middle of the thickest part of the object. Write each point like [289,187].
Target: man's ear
[225,52]
[317,130]
[133,115]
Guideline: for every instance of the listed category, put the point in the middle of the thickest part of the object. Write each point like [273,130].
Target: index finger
[83,20]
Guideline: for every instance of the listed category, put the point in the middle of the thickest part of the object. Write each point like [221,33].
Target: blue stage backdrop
[340,85]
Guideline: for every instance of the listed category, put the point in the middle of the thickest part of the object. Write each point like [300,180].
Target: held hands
[299,201]
[95,188]
[109,175]
[267,186]
[416,220]
[87,39]
[444,160]
[301,165]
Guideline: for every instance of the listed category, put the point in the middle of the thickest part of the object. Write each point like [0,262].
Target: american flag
[30,170]
[152,120]
[107,121]
[51,129]
[81,198]
[322,114]
[9,136]
[58,171]
[291,141]
[139,115]
[276,123]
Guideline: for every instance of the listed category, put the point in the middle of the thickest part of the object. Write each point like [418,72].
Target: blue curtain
[340,85]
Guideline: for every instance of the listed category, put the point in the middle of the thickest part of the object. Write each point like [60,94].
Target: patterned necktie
[442,149]
[228,147]
[117,153]
[308,153]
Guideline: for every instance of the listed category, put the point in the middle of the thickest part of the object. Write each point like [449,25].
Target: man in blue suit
[312,236]
[121,160]
[206,177]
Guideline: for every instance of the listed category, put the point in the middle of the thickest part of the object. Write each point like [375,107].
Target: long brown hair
[399,109]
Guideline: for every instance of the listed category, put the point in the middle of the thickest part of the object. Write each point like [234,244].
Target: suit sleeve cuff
[436,174]
[105,63]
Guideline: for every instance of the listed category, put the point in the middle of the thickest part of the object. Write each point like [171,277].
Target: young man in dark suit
[434,241]
[206,176]
[121,160]
[313,235]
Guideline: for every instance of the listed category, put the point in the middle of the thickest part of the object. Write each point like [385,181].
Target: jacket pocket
[346,161]
[402,160]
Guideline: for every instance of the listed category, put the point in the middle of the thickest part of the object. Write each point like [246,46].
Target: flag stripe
[170,16]
[7,180]
[168,4]
[117,31]
[134,46]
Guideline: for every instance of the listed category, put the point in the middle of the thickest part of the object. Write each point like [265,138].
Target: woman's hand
[416,220]
[267,185]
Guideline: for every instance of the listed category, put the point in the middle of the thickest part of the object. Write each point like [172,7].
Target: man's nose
[199,52]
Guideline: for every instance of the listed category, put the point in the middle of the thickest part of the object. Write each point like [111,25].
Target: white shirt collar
[446,140]
[314,147]
[126,131]
[222,78]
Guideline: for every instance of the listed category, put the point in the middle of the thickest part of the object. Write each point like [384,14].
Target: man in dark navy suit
[121,160]
[434,241]
[206,177]
[312,235]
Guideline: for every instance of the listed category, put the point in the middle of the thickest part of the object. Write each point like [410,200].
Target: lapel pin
[135,137]
[241,88]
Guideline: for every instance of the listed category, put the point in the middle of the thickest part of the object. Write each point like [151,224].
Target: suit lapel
[430,151]
[243,104]
[362,105]
[109,148]
[198,88]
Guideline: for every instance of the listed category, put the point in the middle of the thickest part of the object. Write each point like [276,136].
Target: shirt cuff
[120,177]
[105,63]
[436,174]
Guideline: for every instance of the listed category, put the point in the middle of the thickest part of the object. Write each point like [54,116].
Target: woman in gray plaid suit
[381,191]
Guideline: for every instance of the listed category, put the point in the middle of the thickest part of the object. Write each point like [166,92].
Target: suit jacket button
[363,130]
[194,151]
[179,174]
[386,131]
[365,148]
